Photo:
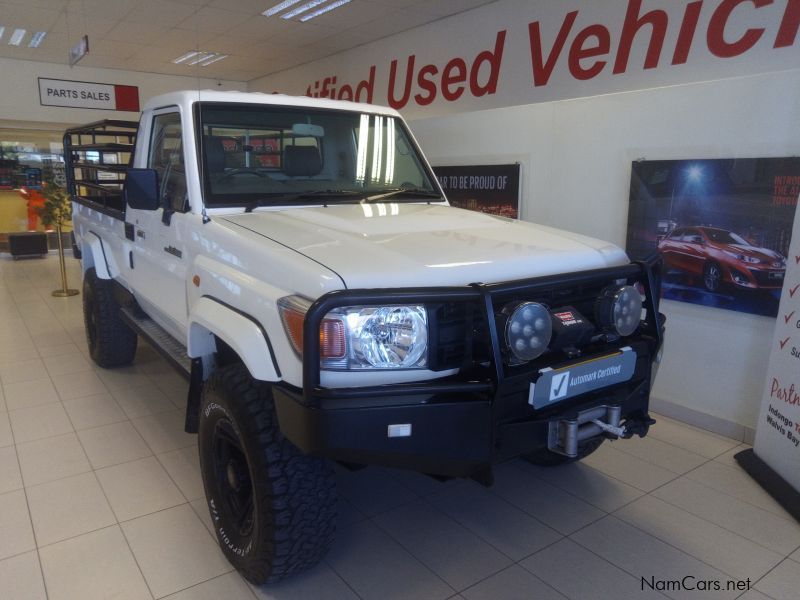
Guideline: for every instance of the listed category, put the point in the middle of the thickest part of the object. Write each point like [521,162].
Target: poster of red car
[721,226]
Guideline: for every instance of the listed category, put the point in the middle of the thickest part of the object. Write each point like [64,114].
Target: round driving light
[619,308]
[528,330]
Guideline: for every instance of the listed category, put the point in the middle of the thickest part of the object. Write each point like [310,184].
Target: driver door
[159,258]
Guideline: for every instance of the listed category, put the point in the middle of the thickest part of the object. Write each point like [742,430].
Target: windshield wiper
[406,191]
[316,194]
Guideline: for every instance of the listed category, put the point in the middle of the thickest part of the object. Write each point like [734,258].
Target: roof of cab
[188,97]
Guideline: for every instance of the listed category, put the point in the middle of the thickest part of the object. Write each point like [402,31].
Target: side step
[166,345]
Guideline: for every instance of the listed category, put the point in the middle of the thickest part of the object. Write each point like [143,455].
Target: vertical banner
[774,460]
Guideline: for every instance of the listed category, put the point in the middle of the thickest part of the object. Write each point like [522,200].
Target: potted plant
[56,211]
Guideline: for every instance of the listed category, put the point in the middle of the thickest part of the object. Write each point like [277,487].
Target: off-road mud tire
[244,459]
[111,342]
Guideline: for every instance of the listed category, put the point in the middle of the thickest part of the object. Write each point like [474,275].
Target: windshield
[725,237]
[261,155]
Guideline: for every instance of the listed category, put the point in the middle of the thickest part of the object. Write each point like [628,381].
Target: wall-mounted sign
[775,457]
[84,94]
[492,189]
[79,50]
[722,227]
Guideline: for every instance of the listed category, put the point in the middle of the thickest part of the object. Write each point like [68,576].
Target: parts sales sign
[84,94]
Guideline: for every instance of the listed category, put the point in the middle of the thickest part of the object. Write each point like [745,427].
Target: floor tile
[228,587]
[10,477]
[587,483]
[718,547]
[319,583]
[691,438]
[29,393]
[346,513]
[50,338]
[67,508]
[6,439]
[62,364]
[449,549]
[512,531]
[558,564]
[94,566]
[113,444]
[52,458]
[39,422]
[735,482]
[200,508]
[3,407]
[21,578]
[164,431]
[372,491]
[174,550]
[23,370]
[94,411]
[628,468]
[754,594]
[756,524]
[15,525]
[183,467]
[559,510]
[138,488]
[662,454]
[394,574]
[645,556]
[78,385]
[59,350]
[796,555]
[783,582]
[422,485]
[142,401]
[124,378]
[513,583]
[727,458]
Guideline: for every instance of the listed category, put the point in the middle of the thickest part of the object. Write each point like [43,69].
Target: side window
[166,157]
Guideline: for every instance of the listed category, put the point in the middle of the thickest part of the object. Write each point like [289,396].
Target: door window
[166,157]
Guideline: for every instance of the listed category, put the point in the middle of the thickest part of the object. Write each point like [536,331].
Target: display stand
[775,485]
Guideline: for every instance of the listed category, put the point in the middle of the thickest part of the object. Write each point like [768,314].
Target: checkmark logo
[559,386]
[783,343]
[787,318]
[793,290]
[797,260]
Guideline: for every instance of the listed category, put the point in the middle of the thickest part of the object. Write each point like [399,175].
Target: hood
[396,244]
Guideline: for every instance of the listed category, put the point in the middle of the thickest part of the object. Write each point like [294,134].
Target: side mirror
[141,189]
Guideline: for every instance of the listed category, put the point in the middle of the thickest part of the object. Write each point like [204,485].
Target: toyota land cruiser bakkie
[298,262]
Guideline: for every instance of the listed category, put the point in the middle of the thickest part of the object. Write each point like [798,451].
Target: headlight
[363,337]
[528,329]
[619,308]
[743,257]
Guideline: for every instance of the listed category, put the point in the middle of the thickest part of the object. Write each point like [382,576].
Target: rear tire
[111,342]
[273,507]
[546,458]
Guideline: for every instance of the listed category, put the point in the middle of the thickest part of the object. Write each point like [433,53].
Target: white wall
[19,100]
[576,157]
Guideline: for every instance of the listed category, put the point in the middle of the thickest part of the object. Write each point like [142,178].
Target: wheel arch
[213,321]
[93,255]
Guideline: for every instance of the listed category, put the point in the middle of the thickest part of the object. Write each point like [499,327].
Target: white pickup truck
[297,260]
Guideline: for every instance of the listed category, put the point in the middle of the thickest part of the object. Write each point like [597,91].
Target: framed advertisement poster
[722,227]
[492,189]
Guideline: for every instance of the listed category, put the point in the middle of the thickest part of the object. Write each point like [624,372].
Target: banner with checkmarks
[777,442]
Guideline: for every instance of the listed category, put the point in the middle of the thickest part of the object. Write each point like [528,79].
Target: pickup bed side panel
[101,239]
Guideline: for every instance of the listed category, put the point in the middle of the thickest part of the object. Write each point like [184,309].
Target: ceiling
[146,35]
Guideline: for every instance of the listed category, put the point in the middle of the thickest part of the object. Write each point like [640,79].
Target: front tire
[712,277]
[273,508]
[111,342]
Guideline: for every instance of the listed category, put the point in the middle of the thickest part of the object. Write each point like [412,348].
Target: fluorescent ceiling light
[302,8]
[324,9]
[185,57]
[16,37]
[2,31]
[211,61]
[201,57]
[279,7]
[36,39]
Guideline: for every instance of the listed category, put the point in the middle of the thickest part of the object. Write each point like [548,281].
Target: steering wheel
[242,171]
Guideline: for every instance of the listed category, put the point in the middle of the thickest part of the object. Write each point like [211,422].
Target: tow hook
[638,427]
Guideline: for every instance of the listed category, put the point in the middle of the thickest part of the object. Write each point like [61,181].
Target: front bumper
[455,427]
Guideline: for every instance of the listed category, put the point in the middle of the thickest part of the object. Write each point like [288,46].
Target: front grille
[767,278]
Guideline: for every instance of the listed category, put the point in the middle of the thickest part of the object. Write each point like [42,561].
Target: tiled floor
[100,497]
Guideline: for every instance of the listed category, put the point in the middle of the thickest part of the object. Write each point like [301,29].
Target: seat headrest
[215,154]
[301,161]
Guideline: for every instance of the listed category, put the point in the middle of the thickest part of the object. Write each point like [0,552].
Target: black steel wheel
[273,507]
[111,342]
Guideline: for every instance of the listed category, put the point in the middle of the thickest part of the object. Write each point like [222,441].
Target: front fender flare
[245,335]
[93,255]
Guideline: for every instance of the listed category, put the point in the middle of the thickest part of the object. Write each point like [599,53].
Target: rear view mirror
[141,189]
[308,130]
